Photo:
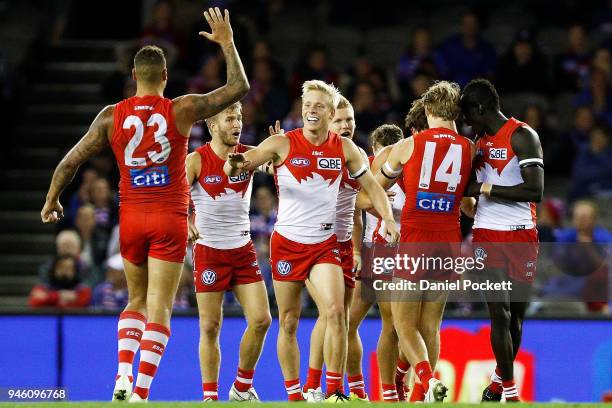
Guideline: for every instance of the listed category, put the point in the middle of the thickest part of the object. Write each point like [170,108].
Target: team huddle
[412,190]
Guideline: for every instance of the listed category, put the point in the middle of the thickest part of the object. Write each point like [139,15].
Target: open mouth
[346,133]
[236,134]
[312,119]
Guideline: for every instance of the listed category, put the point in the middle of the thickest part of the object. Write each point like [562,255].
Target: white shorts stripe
[128,344]
[155,336]
[131,324]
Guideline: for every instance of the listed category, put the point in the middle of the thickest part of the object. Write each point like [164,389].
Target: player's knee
[288,324]
[500,315]
[429,329]
[209,328]
[335,314]
[261,324]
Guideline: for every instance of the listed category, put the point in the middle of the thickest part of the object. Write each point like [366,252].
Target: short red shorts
[346,257]
[160,234]
[513,251]
[292,261]
[216,270]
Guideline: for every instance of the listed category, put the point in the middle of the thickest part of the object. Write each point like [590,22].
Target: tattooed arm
[189,109]
[96,138]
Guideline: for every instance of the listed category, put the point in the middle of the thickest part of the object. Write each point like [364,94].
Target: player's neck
[495,122]
[315,137]
[441,123]
[142,90]
[221,149]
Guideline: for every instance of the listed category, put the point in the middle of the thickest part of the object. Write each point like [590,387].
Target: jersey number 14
[449,171]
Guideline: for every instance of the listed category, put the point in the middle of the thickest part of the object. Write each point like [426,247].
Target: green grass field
[267,405]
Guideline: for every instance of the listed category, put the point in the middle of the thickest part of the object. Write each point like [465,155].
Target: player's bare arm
[194,107]
[193,166]
[96,139]
[357,241]
[468,204]
[358,169]
[274,148]
[526,145]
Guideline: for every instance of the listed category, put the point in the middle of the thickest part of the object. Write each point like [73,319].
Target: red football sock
[400,373]
[129,333]
[357,385]
[334,382]
[389,393]
[510,390]
[418,392]
[294,393]
[152,347]
[313,379]
[423,371]
[244,380]
[211,390]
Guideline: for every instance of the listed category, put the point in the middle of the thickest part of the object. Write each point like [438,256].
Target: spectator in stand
[209,76]
[592,174]
[268,92]
[67,243]
[418,57]
[293,120]
[583,124]
[104,207]
[83,195]
[550,212]
[162,31]
[572,67]
[467,55]
[557,152]
[263,217]
[597,93]
[523,68]
[314,66]
[251,132]
[112,294]
[94,239]
[368,112]
[64,288]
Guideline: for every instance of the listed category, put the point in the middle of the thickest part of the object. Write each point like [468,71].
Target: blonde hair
[329,89]
[343,103]
[416,116]
[442,100]
[232,107]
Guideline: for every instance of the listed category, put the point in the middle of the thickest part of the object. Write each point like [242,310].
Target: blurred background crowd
[62,61]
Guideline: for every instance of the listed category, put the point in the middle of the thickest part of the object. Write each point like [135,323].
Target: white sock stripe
[131,324]
[389,392]
[356,384]
[244,380]
[328,377]
[144,381]
[293,391]
[150,357]
[511,394]
[155,336]
[293,387]
[124,369]
[401,371]
[496,378]
[128,344]
[211,394]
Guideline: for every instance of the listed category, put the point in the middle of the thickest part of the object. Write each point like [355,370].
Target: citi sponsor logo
[498,154]
[239,178]
[150,177]
[329,163]
[212,179]
[442,203]
[300,162]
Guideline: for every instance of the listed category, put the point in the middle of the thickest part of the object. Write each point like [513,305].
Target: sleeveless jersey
[345,209]
[496,163]
[222,203]
[150,153]
[435,178]
[308,182]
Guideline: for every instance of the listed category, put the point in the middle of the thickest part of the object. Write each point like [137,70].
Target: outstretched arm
[91,143]
[526,145]
[272,149]
[194,107]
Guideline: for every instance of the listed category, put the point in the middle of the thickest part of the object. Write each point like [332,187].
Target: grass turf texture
[270,405]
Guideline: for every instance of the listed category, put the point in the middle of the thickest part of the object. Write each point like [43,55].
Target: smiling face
[227,125]
[344,122]
[317,111]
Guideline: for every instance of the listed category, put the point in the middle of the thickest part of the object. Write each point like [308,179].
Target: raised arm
[191,108]
[358,168]
[96,139]
[527,147]
[274,148]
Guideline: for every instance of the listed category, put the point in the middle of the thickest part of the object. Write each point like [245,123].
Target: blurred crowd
[555,78]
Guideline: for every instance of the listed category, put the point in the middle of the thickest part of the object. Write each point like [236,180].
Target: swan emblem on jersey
[209,277]
[283,267]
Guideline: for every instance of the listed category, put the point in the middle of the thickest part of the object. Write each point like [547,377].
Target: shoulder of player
[193,158]
[524,136]
[104,120]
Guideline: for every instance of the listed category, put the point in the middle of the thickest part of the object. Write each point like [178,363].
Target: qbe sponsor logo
[329,163]
[150,177]
[442,203]
[208,277]
[283,267]
[300,162]
[498,153]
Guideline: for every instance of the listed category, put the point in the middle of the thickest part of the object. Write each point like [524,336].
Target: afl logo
[480,253]
[209,277]
[212,179]
[283,268]
[300,162]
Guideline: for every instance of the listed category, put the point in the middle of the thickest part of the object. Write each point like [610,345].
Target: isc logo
[498,154]
[214,179]
[435,202]
[151,177]
[326,163]
[300,162]
[239,178]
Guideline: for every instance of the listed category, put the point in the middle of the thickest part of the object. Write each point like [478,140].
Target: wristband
[485,189]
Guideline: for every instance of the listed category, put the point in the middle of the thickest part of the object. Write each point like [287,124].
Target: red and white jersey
[150,153]
[308,182]
[345,209]
[435,178]
[496,163]
[222,203]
